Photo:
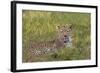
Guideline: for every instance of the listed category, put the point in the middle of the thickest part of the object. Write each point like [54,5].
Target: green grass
[41,26]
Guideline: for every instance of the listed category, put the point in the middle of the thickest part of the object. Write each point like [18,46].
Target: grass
[41,26]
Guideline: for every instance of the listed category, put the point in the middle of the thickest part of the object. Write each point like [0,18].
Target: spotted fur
[62,40]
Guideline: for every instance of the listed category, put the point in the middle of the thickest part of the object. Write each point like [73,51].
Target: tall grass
[41,26]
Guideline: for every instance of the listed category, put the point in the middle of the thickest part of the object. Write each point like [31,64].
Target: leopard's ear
[57,27]
[70,27]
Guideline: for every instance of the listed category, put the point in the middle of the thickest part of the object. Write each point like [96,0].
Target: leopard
[63,39]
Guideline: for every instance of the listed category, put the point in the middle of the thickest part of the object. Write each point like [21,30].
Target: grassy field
[41,26]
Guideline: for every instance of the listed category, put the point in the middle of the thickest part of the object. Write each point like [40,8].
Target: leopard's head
[64,32]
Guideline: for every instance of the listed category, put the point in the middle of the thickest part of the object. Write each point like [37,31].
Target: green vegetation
[41,26]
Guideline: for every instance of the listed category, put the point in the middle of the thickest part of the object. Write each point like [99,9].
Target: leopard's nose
[65,35]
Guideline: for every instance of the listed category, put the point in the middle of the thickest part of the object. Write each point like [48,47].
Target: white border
[36,65]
